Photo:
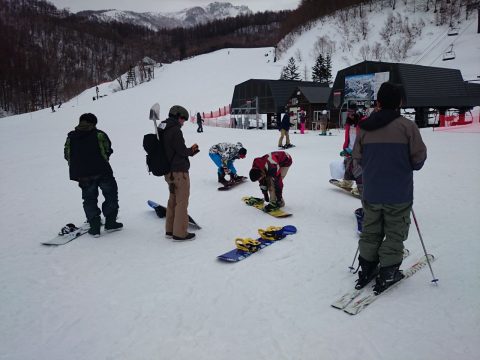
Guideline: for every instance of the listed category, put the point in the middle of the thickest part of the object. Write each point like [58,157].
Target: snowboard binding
[252,201]
[272,233]
[67,229]
[247,244]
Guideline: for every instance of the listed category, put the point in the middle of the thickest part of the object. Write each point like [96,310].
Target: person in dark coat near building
[178,178]
[389,148]
[284,127]
[199,123]
[88,150]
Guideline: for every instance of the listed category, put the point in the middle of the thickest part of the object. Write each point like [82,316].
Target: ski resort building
[270,97]
[426,90]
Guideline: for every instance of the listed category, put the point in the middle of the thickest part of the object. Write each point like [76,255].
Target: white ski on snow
[343,301]
[358,304]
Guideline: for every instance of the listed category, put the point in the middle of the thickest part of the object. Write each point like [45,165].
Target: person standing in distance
[88,150]
[178,178]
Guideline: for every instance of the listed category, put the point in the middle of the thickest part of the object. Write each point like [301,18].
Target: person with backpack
[389,148]
[223,155]
[270,170]
[88,150]
[177,178]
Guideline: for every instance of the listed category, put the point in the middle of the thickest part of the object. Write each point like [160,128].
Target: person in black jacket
[199,123]
[178,179]
[284,127]
[87,150]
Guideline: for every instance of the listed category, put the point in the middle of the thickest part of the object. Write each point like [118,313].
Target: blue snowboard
[236,255]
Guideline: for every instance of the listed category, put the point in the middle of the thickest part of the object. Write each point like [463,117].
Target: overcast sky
[168,5]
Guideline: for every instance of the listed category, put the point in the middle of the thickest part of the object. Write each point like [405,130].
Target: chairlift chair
[449,54]
[452,31]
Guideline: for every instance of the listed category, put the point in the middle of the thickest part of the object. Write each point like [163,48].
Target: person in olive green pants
[389,148]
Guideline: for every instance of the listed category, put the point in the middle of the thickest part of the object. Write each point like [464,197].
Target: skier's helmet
[178,111]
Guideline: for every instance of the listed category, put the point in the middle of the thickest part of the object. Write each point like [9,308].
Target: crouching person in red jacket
[270,170]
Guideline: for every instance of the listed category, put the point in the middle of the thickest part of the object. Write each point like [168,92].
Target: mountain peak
[184,18]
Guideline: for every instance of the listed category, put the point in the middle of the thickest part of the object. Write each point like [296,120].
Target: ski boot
[235,178]
[387,276]
[369,269]
[221,179]
[67,229]
[247,245]
[95,224]
[111,223]
[272,206]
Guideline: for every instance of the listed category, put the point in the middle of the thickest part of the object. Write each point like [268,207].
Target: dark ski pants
[385,228]
[109,188]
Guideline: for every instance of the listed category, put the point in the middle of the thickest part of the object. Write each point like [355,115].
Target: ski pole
[435,280]
[351,268]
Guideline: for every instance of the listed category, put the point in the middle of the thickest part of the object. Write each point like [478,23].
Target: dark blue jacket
[285,124]
[389,147]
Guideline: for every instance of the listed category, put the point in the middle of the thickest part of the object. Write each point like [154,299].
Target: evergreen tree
[290,72]
[316,70]
[328,69]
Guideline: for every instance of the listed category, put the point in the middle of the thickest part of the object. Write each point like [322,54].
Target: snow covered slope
[136,295]
[342,35]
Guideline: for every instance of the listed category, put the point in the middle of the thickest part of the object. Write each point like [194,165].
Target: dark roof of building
[427,85]
[424,86]
[273,94]
[315,95]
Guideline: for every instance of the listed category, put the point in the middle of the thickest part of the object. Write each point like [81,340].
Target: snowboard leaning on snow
[66,238]
[336,183]
[236,255]
[232,184]
[162,212]
[260,205]
[354,301]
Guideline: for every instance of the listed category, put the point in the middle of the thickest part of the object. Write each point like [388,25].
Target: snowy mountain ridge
[187,17]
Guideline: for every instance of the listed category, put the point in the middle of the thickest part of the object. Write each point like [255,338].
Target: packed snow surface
[136,295]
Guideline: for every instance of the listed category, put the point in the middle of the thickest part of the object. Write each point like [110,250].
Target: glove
[195,149]
[226,170]
[346,152]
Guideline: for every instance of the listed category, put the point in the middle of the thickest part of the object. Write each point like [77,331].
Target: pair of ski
[354,301]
